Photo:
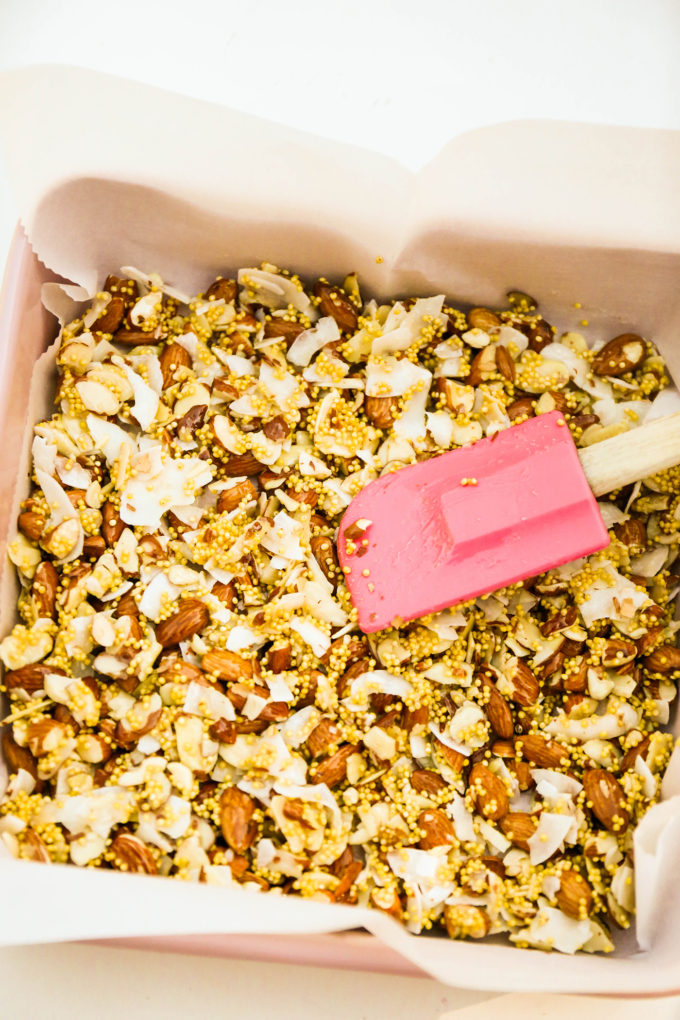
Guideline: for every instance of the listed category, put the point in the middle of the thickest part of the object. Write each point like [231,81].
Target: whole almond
[538,332]
[664,659]
[122,286]
[519,827]
[334,302]
[222,290]
[547,754]
[411,717]
[521,408]
[620,355]
[29,678]
[381,411]
[31,524]
[608,800]
[324,734]
[243,464]
[488,792]
[438,829]
[574,896]
[230,498]
[224,731]
[130,853]
[525,687]
[284,328]
[497,710]
[227,665]
[504,363]
[483,318]
[111,317]
[332,770]
[112,526]
[323,550]
[427,781]
[44,589]
[191,617]
[236,819]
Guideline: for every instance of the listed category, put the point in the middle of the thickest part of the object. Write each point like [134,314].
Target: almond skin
[30,678]
[278,327]
[44,589]
[191,617]
[639,751]
[276,429]
[31,524]
[574,896]
[525,685]
[279,659]
[618,653]
[334,302]
[111,317]
[438,829]
[664,659]
[427,781]
[519,827]
[130,853]
[17,757]
[497,710]
[504,363]
[236,819]
[631,533]
[222,290]
[229,499]
[332,770]
[489,793]
[323,550]
[608,801]
[483,318]
[243,464]
[112,526]
[454,759]
[227,665]
[323,736]
[381,411]
[620,355]
[547,754]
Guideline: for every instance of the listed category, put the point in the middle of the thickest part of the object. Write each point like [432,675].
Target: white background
[400,76]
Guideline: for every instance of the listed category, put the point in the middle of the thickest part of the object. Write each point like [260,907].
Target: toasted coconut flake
[551,929]
[402,328]
[274,291]
[613,598]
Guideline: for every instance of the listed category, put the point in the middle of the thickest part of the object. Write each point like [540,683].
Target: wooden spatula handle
[632,455]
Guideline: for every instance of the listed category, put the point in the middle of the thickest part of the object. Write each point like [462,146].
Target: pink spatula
[474,520]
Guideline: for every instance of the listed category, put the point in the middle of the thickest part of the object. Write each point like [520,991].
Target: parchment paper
[109,173]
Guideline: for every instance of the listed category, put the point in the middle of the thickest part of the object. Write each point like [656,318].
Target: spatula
[468,522]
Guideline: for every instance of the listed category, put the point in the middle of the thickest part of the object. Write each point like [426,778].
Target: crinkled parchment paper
[110,173]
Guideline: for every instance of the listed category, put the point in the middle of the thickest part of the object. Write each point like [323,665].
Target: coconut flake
[146,400]
[549,836]
[207,702]
[551,929]
[273,291]
[159,592]
[312,635]
[378,681]
[284,538]
[241,637]
[108,437]
[402,328]
[307,343]
[411,423]
[613,598]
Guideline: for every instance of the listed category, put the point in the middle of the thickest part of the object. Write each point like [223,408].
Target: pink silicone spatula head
[468,522]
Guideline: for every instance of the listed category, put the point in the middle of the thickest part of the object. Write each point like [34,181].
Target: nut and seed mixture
[189,693]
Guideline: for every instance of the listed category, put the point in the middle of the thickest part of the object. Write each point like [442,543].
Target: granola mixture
[189,692]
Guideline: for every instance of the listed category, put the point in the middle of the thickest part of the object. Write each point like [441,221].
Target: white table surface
[401,77]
